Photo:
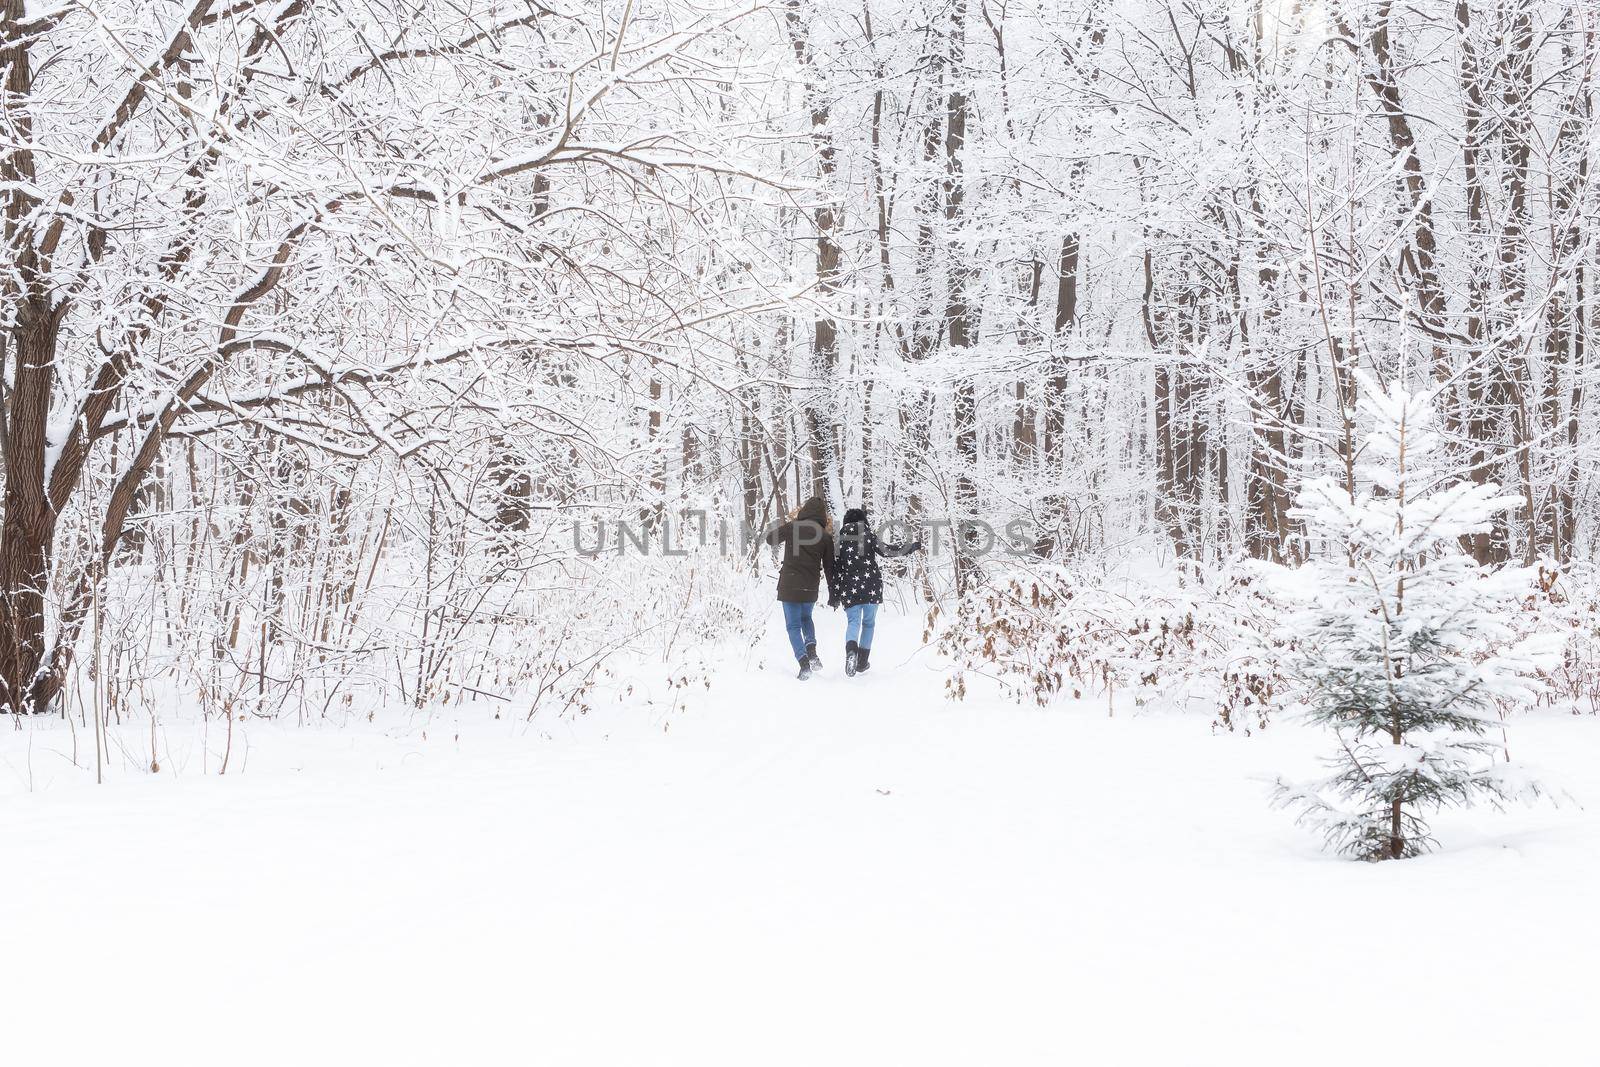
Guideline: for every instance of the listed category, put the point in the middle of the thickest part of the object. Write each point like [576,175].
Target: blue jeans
[859,619]
[797,620]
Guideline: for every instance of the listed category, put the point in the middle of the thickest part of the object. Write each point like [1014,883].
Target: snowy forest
[407,387]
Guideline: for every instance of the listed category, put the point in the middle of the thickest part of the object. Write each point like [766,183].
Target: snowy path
[840,872]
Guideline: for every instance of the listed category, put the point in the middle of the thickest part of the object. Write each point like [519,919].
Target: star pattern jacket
[857,579]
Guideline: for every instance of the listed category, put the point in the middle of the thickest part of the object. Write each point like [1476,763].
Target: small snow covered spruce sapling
[1403,646]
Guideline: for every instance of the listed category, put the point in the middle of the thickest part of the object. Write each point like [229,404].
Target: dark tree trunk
[820,427]
[960,315]
[1024,439]
[1066,322]
[27,535]
[1566,335]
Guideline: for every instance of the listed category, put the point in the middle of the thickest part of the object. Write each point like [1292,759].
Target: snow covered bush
[1565,600]
[1402,644]
[1042,632]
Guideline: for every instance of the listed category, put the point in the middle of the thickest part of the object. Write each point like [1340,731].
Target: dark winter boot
[863,655]
[812,657]
[805,668]
[851,651]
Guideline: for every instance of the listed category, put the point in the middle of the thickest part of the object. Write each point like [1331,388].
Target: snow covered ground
[835,872]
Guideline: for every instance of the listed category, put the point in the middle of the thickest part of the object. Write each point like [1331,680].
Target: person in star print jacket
[859,584]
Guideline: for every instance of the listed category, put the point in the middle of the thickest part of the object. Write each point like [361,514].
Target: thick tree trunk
[1567,314]
[1182,461]
[1055,404]
[1481,418]
[1420,258]
[27,532]
[1024,438]
[513,485]
[1266,520]
[27,535]
[1052,461]
[820,427]
[514,489]
[1515,394]
[1267,526]
[960,314]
